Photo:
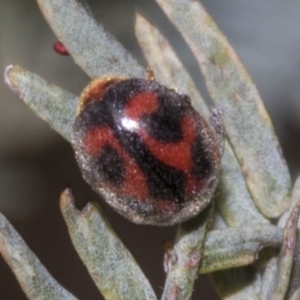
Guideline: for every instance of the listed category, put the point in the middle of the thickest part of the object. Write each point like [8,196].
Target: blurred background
[36,164]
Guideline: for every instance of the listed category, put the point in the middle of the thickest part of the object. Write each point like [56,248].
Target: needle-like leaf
[247,123]
[93,49]
[33,277]
[52,104]
[109,263]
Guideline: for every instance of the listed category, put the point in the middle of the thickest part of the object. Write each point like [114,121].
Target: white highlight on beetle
[129,124]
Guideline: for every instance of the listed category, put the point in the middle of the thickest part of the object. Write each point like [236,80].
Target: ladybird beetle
[145,149]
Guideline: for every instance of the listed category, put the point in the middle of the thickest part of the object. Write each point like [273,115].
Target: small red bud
[60,49]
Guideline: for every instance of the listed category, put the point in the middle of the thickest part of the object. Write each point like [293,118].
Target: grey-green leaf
[247,124]
[182,261]
[235,247]
[92,48]
[237,284]
[109,263]
[294,282]
[234,200]
[296,295]
[281,278]
[33,277]
[52,104]
[295,274]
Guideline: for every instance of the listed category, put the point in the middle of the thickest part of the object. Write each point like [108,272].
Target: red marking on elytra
[165,206]
[135,184]
[143,103]
[176,155]
[96,138]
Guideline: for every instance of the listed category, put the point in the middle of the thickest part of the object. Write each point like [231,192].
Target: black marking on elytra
[94,114]
[164,182]
[111,166]
[202,160]
[164,125]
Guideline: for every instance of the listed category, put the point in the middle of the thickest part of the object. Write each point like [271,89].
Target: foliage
[255,199]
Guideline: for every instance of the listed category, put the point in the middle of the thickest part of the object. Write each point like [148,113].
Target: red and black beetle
[146,150]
